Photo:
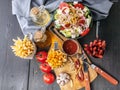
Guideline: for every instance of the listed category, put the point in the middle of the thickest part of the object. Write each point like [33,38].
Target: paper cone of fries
[24,48]
[31,56]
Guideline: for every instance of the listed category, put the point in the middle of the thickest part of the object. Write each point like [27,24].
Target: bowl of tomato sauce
[70,47]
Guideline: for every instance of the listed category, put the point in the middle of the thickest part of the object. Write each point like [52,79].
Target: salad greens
[72,19]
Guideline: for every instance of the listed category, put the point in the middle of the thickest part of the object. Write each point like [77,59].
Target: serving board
[74,84]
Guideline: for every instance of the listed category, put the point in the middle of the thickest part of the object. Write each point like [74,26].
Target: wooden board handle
[87,81]
[106,76]
[52,28]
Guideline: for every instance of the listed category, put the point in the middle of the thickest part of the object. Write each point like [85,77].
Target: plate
[72,20]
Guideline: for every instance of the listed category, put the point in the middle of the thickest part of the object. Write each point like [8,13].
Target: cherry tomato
[79,5]
[63,11]
[85,32]
[63,4]
[45,67]
[48,78]
[67,25]
[62,28]
[81,21]
[41,56]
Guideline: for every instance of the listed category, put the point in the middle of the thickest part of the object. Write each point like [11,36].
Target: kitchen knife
[100,71]
[104,74]
[86,76]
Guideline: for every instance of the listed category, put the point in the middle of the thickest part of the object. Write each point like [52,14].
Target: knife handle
[87,81]
[105,75]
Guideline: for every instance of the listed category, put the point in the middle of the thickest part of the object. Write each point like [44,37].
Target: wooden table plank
[13,70]
[36,80]
[109,31]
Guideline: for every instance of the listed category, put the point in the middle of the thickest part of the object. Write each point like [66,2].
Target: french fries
[56,58]
[22,48]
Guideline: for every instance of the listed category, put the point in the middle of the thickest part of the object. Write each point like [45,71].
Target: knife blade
[86,76]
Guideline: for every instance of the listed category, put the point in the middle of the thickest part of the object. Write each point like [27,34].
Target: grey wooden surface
[19,74]
[13,70]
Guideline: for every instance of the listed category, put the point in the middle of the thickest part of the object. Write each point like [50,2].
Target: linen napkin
[21,8]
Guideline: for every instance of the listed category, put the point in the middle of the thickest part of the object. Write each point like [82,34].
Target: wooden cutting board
[74,84]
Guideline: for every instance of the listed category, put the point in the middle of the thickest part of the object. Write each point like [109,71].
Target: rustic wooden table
[19,74]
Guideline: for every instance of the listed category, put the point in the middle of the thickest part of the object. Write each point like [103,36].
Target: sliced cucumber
[66,33]
[56,16]
[77,32]
[87,11]
[57,26]
[70,3]
[56,13]
[89,20]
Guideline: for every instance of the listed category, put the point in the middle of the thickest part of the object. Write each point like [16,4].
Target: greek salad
[72,19]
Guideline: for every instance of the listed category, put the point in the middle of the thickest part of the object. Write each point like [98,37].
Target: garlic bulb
[63,78]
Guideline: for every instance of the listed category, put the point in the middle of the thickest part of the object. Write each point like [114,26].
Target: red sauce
[70,47]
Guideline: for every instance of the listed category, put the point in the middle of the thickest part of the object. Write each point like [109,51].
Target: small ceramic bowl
[70,47]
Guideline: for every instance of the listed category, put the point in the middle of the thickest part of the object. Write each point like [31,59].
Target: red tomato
[41,56]
[63,11]
[63,4]
[85,32]
[45,67]
[48,78]
[81,21]
[62,28]
[67,25]
[79,5]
